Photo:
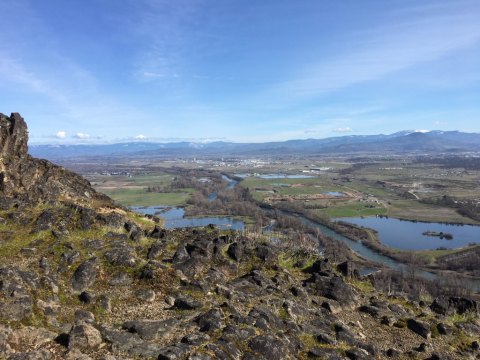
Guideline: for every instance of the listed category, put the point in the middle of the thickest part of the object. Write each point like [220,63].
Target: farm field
[134,190]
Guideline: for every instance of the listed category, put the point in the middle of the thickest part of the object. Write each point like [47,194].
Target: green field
[351,210]
[141,197]
[131,191]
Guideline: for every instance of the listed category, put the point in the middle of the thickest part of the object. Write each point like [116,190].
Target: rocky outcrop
[26,181]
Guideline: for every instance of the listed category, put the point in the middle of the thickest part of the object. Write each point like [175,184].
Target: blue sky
[241,70]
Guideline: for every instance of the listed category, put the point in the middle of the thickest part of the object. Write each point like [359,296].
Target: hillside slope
[82,279]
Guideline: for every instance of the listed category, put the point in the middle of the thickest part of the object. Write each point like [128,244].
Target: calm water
[369,254]
[231,183]
[212,196]
[276,176]
[407,235]
[334,193]
[174,218]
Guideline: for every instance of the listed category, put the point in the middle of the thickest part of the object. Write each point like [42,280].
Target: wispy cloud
[161,28]
[16,72]
[374,54]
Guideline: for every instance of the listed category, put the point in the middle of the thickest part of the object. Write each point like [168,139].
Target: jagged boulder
[85,275]
[451,305]
[25,180]
[84,337]
[420,327]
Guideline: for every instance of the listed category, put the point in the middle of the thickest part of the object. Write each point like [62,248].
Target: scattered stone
[348,269]
[120,279]
[419,327]
[443,329]
[150,329]
[86,297]
[121,256]
[392,352]
[423,347]
[84,316]
[324,338]
[332,288]
[146,295]
[121,341]
[175,352]
[85,275]
[84,337]
[155,250]
[210,321]
[195,339]
[475,345]
[76,354]
[94,244]
[235,251]
[268,346]
[186,303]
[30,336]
[31,355]
[104,303]
[357,354]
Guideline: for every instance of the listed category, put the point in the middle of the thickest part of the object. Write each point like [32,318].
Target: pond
[409,235]
[334,193]
[175,218]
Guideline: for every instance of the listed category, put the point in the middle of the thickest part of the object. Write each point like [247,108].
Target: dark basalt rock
[348,269]
[86,297]
[158,233]
[452,305]
[150,329]
[155,250]
[121,341]
[186,303]
[27,181]
[195,339]
[121,256]
[85,275]
[268,346]
[174,352]
[210,321]
[332,288]
[84,337]
[265,253]
[235,251]
[419,327]
[32,355]
[320,266]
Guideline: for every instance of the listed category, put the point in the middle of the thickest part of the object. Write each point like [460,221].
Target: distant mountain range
[403,142]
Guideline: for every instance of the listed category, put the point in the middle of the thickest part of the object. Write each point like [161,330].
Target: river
[174,218]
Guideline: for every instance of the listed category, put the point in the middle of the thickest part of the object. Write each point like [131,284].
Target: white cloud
[343,129]
[140,137]
[61,134]
[82,136]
